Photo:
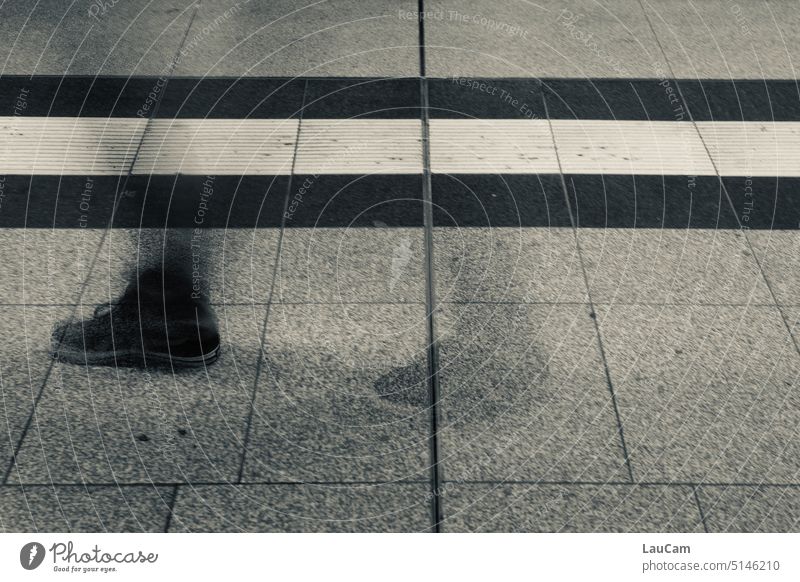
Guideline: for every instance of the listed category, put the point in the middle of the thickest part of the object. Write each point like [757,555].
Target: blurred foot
[151,325]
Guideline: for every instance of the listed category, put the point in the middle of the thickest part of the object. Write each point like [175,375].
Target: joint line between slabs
[437,475]
[600,346]
[275,266]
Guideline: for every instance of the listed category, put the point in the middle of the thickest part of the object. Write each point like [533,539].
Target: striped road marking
[103,146]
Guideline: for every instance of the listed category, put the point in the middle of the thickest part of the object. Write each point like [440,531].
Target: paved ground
[613,350]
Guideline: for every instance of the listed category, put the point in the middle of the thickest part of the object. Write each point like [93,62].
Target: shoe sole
[133,358]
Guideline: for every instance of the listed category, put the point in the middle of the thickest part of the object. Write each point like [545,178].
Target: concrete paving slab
[284,38]
[751,509]
[45,266]
[306,508]
[524,395]
[107,425]
[705,394]
[778,253]
[505,507]
[84,509]
[547,39]
[522,265]
[351,265]
[346,337]
[343,394]
[723,40]
[329,424]
[90,38]
[24,364]
[661,266]
[792,319]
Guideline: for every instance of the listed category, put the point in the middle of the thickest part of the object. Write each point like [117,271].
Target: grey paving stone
[84,509]
[524,395]
[303,508]
[346,337]
[728,40]
[569,508]
[351,265]
[51,37]
[778,253]
[548,39]
[343,394]
[24,362]
[791,315]
[751,509]
[45,266]
[285,38]
[329,424]
[235,265]
[706,394]
[515,265]
[671,266]
[107,425]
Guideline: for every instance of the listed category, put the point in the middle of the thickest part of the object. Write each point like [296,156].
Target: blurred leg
[164,315]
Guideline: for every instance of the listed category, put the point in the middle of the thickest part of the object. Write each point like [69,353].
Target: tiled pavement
[600,365]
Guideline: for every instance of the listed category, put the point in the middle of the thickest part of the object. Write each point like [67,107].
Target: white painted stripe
[481,146]
[360,146]
[68,145]
[218,146]
[753,148]
[630,147]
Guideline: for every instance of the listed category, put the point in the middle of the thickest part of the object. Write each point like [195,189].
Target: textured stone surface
[751,509]
[524,395]
[570,508]
[307,508]
[705,393]
[107,425]
[84,509]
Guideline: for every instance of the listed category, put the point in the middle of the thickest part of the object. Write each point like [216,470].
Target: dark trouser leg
[162,318]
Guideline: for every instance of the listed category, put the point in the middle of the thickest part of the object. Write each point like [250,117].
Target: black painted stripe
[341,201]
[625,99]
[616,201]
[502,98]
[209,201]
[218,98]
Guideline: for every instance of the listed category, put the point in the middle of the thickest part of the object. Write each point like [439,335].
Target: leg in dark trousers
[163,317]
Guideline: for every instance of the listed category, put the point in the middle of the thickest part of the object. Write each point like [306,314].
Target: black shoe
[141,333]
